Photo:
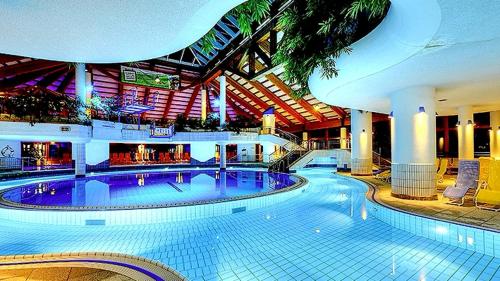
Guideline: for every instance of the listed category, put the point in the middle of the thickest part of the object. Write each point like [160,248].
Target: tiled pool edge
[480,240]
[152,214]
[127,265]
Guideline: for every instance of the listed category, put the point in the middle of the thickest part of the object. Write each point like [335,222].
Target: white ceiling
[105,31]
[452,45]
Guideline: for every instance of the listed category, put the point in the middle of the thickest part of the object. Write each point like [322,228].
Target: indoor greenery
[247,14]
[36,104]
[315,33]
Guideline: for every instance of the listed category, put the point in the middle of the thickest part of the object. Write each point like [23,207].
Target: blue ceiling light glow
[421,109]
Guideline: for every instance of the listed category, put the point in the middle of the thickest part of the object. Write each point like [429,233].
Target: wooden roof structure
[253,83]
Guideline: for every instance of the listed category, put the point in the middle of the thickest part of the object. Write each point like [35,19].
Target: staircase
[280,162]
[380,163]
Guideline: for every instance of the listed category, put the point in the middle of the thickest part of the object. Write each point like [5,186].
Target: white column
[222,156]
[80,86]
[413,138]
[267,150]
[465,132]
[495,134]
[343,137]
[80,159]
[203,104]
[361,142]
[222,100]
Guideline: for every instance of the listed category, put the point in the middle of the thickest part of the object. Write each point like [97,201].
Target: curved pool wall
[484,241]
[146,190]
[148,214]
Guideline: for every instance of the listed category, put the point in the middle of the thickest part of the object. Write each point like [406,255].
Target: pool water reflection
[158,188]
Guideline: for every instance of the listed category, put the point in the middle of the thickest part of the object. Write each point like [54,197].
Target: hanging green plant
[247,14]
[317,32]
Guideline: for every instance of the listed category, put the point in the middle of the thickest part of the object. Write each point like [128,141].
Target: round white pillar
[222,100]
[413,138]
[267,150]
[80,159]
[343,137]
[222,156]
[495,134]
[81,86]
[465,130]
[361,142]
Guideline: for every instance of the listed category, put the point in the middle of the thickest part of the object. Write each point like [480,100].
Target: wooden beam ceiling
[276,100]
[273,78]
[256,100]
[189,106]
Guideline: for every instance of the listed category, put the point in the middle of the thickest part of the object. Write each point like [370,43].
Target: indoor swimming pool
[131,190]
[329,232]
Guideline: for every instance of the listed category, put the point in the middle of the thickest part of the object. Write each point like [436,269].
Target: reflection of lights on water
[317,230]
[52,192]
[166,168]
[421,277]
[470,240]
[217,237]
[343,197]
[268,217]
[179,178]
[364,213]
[393,271]
[441,230]
[92,173]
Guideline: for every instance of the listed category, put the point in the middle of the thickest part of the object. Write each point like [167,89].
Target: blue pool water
[326,233]
[142,189]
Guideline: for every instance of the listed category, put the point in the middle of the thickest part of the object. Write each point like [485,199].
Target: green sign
[149,78]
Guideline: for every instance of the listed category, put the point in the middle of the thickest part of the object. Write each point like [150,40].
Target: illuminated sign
[149,78]
[157,132]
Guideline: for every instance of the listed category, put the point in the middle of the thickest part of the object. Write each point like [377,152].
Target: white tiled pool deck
[326,233]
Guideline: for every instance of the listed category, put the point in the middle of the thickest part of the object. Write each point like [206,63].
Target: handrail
[379,160]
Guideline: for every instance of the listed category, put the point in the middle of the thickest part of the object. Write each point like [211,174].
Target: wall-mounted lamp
[469,122]
[458,123]
[437,114]
[363,130]
[421,109]
[391,115]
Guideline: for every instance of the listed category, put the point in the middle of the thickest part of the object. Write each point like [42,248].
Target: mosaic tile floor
[323,234]
[61,274]
[467,213]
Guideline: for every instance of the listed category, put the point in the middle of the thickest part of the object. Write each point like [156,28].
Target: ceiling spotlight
[421,109]
[317,107]
[391,115]
[363,130]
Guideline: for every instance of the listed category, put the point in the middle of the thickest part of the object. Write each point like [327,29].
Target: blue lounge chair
[468,174]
